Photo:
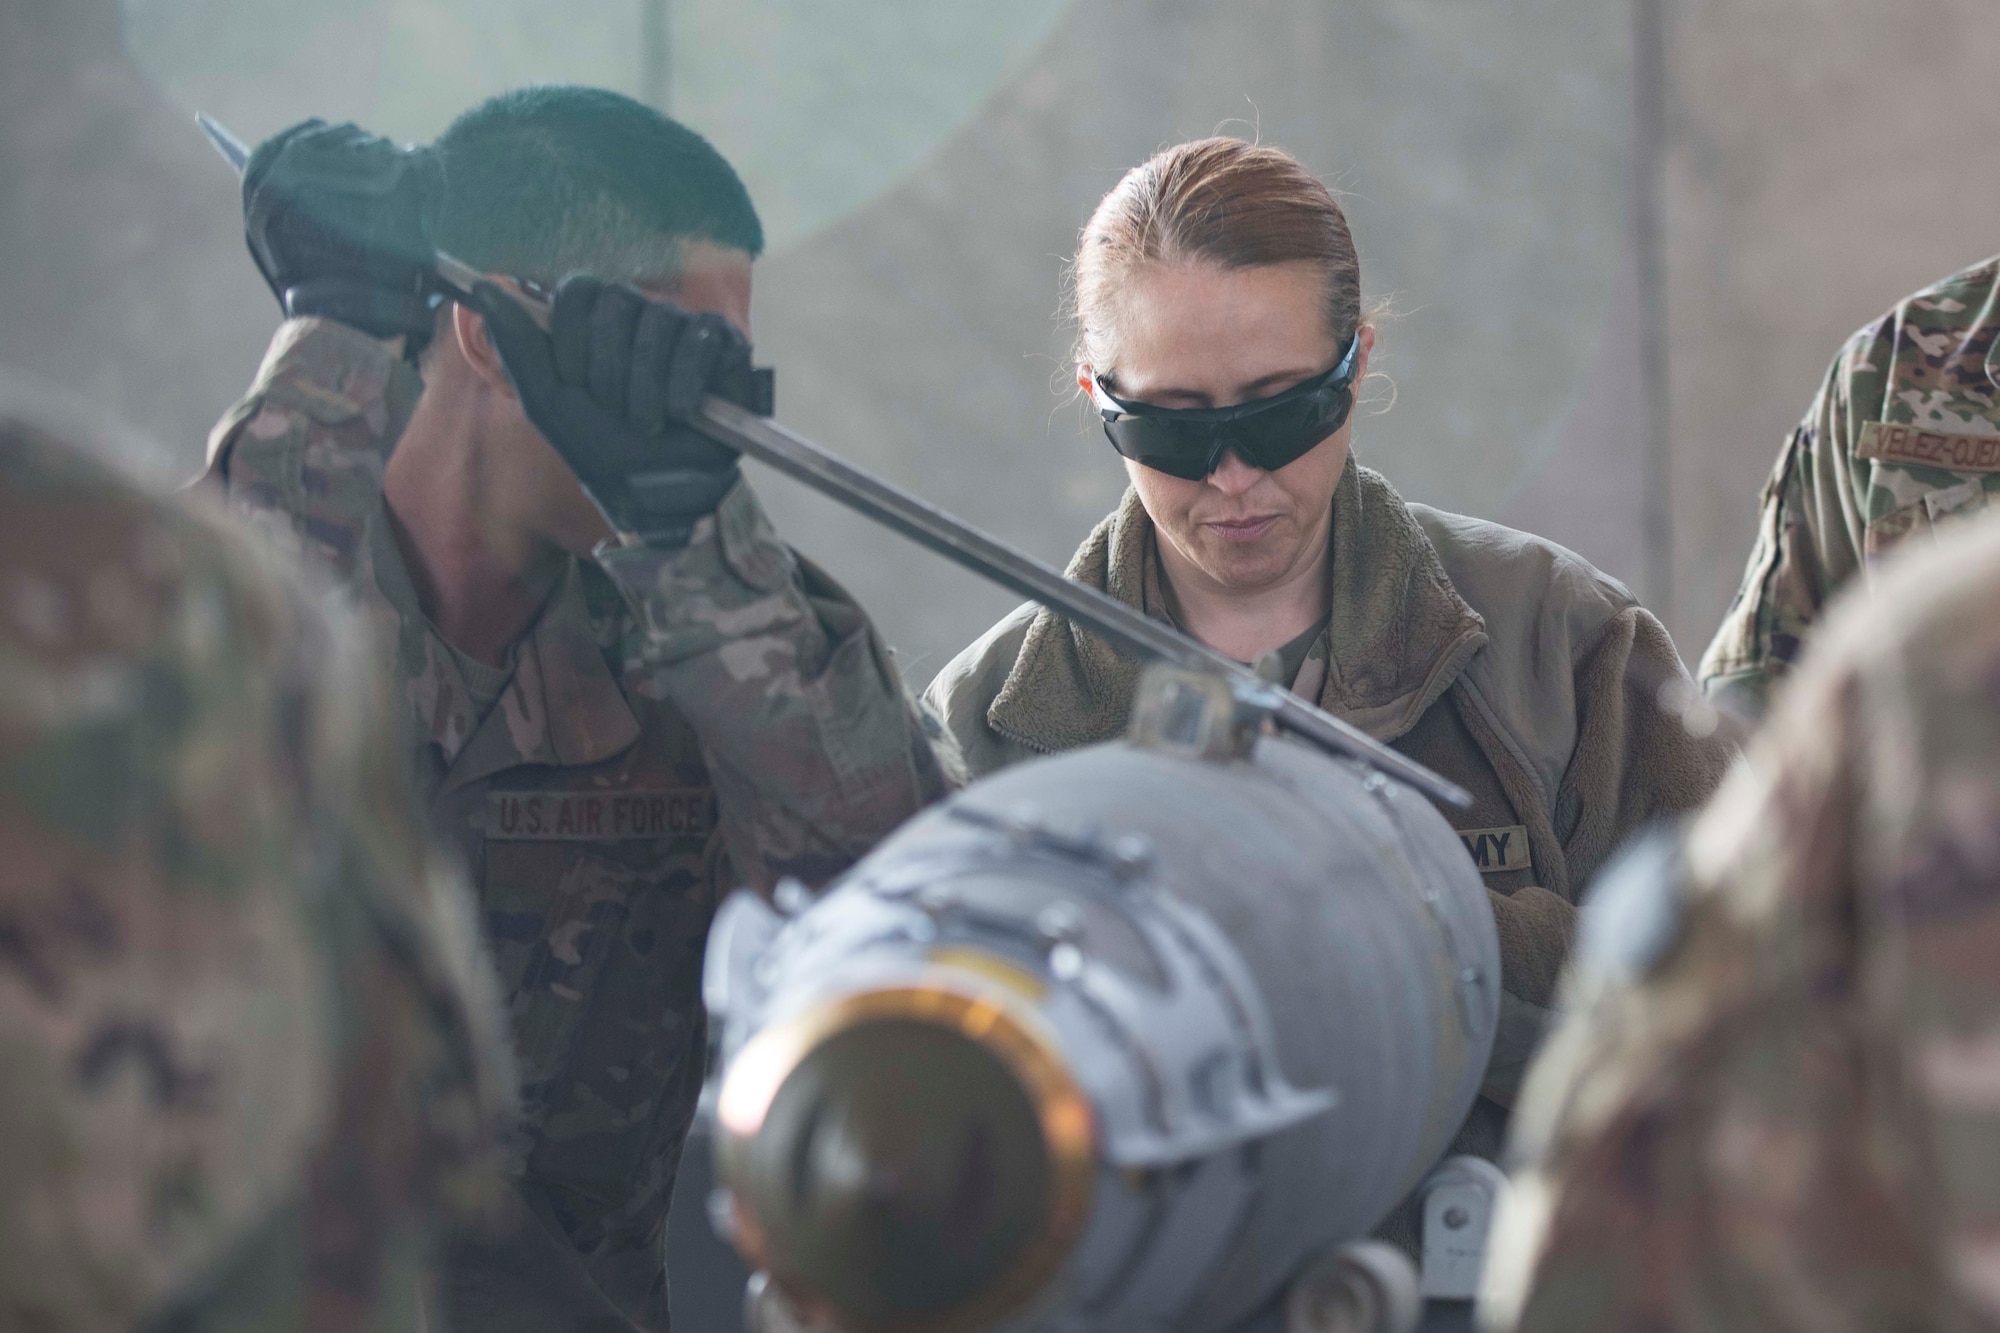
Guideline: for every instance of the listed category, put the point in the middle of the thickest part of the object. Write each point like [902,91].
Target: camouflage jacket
[249,1051]
[1904,435]
[675,725]
[1776,1104]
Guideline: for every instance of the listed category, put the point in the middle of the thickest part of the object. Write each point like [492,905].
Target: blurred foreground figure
[1777,1103]
[627,696]
[1904,435]
[249,1050]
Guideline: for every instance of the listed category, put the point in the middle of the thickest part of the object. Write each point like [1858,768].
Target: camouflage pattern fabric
[1904,436]
[1776,1103]
[676,724]
[250,1054]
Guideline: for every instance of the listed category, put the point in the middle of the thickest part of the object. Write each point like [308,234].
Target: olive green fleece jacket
[1502,661]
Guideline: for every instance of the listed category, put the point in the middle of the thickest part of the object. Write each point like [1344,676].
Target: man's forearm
[816,749]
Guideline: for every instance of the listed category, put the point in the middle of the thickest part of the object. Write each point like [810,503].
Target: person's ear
[1084,376]
[1366,333]
[469,331]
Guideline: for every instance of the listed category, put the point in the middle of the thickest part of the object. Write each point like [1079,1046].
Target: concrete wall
[1482,149]
[123,277]
[1823,159]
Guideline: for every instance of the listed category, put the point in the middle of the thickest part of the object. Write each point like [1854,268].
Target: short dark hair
[545,181]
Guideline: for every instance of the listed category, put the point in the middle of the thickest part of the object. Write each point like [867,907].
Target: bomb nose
[909,1172]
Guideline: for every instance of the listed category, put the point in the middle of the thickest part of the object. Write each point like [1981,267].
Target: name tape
[1927,446]
[599,816]
[1497,850]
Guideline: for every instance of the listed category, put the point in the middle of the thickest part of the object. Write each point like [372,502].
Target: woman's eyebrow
[1257,388]
[1118,390]
[1250,390]
[1201,396]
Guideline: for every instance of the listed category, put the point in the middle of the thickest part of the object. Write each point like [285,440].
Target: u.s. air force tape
[1497,850]
[599,816]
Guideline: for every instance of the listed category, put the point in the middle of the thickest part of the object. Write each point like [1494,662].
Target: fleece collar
[1398,633]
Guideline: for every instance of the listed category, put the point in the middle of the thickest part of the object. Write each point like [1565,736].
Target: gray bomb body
[1336,973]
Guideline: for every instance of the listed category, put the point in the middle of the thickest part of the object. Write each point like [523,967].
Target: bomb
[1130,1038]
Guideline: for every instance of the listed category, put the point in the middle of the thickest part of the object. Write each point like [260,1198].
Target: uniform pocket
[607,1010]
[556,913]
[1933,508]
[1950,502]
[1885,534]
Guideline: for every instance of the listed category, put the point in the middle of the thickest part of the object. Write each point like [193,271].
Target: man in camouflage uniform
[1904,435]
[250,1052]
[626,699]
[1776,1104]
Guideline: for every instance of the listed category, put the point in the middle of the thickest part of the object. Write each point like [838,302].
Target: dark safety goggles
[1189,442]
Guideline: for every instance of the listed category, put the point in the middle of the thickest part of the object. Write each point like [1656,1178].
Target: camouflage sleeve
[815,748]
[299,453]
[1773,1103]
[1809,533]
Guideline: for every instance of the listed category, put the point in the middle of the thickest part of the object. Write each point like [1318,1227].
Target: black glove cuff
[376,312]
[666,505]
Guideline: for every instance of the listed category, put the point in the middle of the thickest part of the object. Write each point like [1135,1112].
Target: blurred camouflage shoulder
[1776,1099]
[249,1053]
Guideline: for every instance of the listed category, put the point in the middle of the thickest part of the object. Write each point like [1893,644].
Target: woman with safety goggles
[1221,336]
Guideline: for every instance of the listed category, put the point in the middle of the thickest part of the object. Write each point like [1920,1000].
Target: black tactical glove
[339,222]
[614,384]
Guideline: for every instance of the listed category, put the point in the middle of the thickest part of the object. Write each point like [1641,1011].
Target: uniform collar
[1398,633]
[563,707]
